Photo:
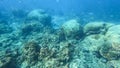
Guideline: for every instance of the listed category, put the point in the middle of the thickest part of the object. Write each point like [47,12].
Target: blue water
[104,10]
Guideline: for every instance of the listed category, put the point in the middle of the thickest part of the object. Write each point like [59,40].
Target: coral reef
[32,41]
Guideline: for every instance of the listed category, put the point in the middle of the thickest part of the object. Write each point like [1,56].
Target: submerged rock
[111,48]
[97,27]
[39,15]
[72,29]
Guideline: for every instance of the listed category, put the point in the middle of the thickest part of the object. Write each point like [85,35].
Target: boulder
[96,27]
[111,49]
[72,29]
[39,15]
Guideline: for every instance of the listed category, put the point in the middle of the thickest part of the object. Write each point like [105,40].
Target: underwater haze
[59,34]
[107,10]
